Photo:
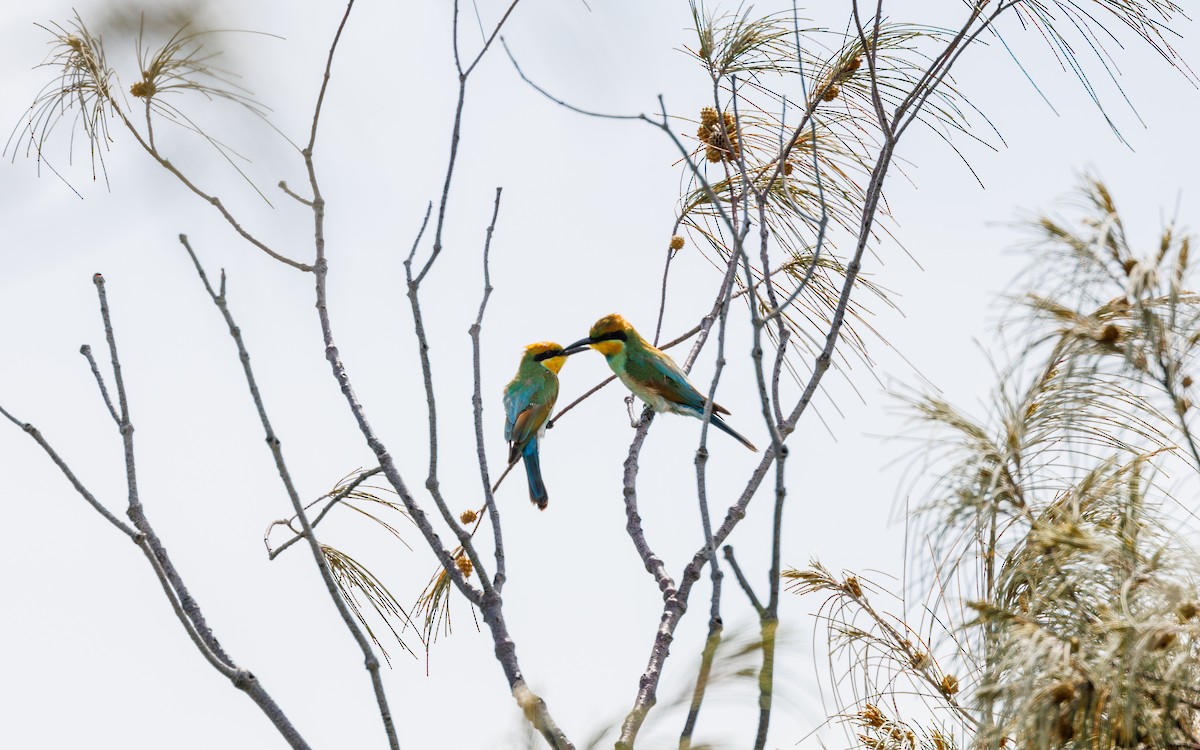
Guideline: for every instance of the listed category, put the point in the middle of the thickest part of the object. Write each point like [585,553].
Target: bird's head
[549,354]
[608,336]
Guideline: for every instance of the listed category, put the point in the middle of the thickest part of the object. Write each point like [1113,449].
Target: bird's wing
[526,424]
[658,373]
[526,408]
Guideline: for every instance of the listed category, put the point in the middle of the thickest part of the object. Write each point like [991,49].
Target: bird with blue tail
[649,373]
[528,400]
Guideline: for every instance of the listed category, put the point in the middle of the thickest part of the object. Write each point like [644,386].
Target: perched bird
[528,400]
[649,373]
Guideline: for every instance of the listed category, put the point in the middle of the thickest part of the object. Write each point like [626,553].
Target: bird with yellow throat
[528,400]
[650,373]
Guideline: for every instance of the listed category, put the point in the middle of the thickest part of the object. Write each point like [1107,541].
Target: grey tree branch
[676,603]
[772,417]
[488,601]
[86,351]
[299,198]
[124,424]
[414,283]
[144,536]
[38,438]
[217,663]
[456,132]
[769,616]
[431,481]
[715,625]
[213,200]
[703,676]
[744,582]
[477,406]
[673,606]
[135,511]
[371,662]
[333,503]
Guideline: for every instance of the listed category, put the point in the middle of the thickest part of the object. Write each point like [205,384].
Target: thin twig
[36,434]
[432,483]
[744,582]
[477,405]
[371,662]
[555,99]
[213,200]
[769,615]
[676,603]
[673,605]
[702,679]
[488,601]
[456,132]
[333,503]
[86,351]
[288,191]
[143,534]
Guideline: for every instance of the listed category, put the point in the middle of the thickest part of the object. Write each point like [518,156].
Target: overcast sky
[92,652]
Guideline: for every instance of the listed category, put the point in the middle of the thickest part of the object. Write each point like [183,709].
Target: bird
[650,373]
[528,400]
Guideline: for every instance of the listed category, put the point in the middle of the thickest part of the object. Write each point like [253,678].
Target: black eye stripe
[613,336]
[548,355]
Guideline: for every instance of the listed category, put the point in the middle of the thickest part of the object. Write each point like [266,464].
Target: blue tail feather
[533,472]
[720,424]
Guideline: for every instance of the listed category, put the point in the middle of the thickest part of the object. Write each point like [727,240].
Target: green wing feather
[528,401]
[525,427]
[657,372]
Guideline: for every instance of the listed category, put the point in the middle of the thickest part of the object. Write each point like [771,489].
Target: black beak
[578,346]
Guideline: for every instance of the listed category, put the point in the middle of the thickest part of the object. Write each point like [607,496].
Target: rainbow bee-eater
[649,373]
[528,400]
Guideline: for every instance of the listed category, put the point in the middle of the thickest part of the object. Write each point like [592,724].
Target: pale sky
[92,653]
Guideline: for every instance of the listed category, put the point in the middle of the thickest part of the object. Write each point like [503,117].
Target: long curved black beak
[578,346]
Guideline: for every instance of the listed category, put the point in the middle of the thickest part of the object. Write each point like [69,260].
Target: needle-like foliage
[82,89]
[87,88]
[433,603]
[1059,598]
[806,162]
[356,583]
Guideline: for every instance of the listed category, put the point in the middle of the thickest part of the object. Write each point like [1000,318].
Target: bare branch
[288,191]
[477,405]
[312,135]
[371,662]
[743,581]
[86,351]
[36,434]
[143,535]
[333,503]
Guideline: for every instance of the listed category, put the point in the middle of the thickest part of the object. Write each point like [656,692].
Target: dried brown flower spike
[718,147]
[852,587]
[142,89]
[949,684]
[871,716]
[464,564]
